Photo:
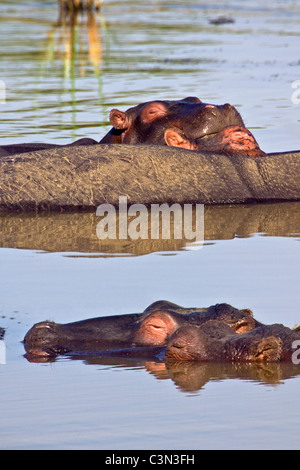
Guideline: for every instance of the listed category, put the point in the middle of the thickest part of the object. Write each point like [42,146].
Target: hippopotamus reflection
[190,376]
[153,327]
[215,341]
[148,122]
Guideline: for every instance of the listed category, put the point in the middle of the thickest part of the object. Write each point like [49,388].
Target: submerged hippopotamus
[215,341]
[153,327]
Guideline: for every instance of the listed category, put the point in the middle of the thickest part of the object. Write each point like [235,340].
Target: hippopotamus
[147,123]
[83,177]
[153,327]
[215,341]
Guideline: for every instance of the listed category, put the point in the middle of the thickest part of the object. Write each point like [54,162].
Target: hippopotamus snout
[40,337]
[207,120]
[266,349]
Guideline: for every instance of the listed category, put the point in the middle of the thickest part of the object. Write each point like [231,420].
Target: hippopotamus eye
[153,111]
[153,325]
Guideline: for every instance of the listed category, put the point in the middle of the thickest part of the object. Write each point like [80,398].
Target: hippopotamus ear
[191,99]
[153,111]
[247,311]
[119,119]
[173,138]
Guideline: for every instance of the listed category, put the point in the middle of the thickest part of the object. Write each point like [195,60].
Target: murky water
[60,84]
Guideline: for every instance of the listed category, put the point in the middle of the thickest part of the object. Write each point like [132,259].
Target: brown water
[61,83]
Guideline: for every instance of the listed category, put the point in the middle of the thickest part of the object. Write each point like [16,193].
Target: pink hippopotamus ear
[119,119]
[174,138]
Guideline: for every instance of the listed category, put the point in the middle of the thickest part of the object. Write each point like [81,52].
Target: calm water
[60,85]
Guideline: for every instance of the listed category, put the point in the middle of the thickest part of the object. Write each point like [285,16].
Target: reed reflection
[77,40]
[74,46]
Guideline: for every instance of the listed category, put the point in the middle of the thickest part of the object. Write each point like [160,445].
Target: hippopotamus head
[216,341]
[42,339]
[148,122]
[232,140]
